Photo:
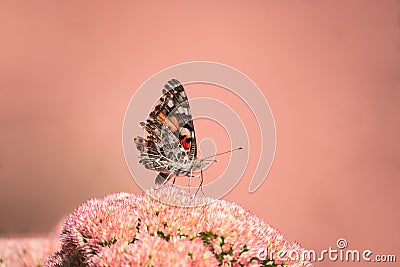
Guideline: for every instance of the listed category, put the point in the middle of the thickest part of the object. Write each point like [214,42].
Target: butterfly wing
[170,136]
[174,105]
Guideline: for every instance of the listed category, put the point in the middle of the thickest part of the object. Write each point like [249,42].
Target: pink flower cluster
[127,230]
[26,252]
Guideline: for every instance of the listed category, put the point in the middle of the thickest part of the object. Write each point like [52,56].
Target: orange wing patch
[185,138]
[171,122]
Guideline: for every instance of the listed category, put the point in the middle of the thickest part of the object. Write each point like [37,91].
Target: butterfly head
[199,164]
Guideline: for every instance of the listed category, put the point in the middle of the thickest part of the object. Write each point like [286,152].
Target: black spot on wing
[161,177]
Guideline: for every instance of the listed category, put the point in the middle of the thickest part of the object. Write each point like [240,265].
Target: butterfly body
[169,145]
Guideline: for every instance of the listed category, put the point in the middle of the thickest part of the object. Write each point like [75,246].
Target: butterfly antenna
[229,151]
[212,160]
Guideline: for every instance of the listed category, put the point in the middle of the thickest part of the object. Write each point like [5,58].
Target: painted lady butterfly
[169,145]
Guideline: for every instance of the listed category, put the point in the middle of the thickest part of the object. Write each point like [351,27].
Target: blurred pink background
[329,70]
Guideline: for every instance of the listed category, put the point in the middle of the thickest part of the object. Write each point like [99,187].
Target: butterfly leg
[190,179]
[201,183]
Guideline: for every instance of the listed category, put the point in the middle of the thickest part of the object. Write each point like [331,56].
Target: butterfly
[169,146]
